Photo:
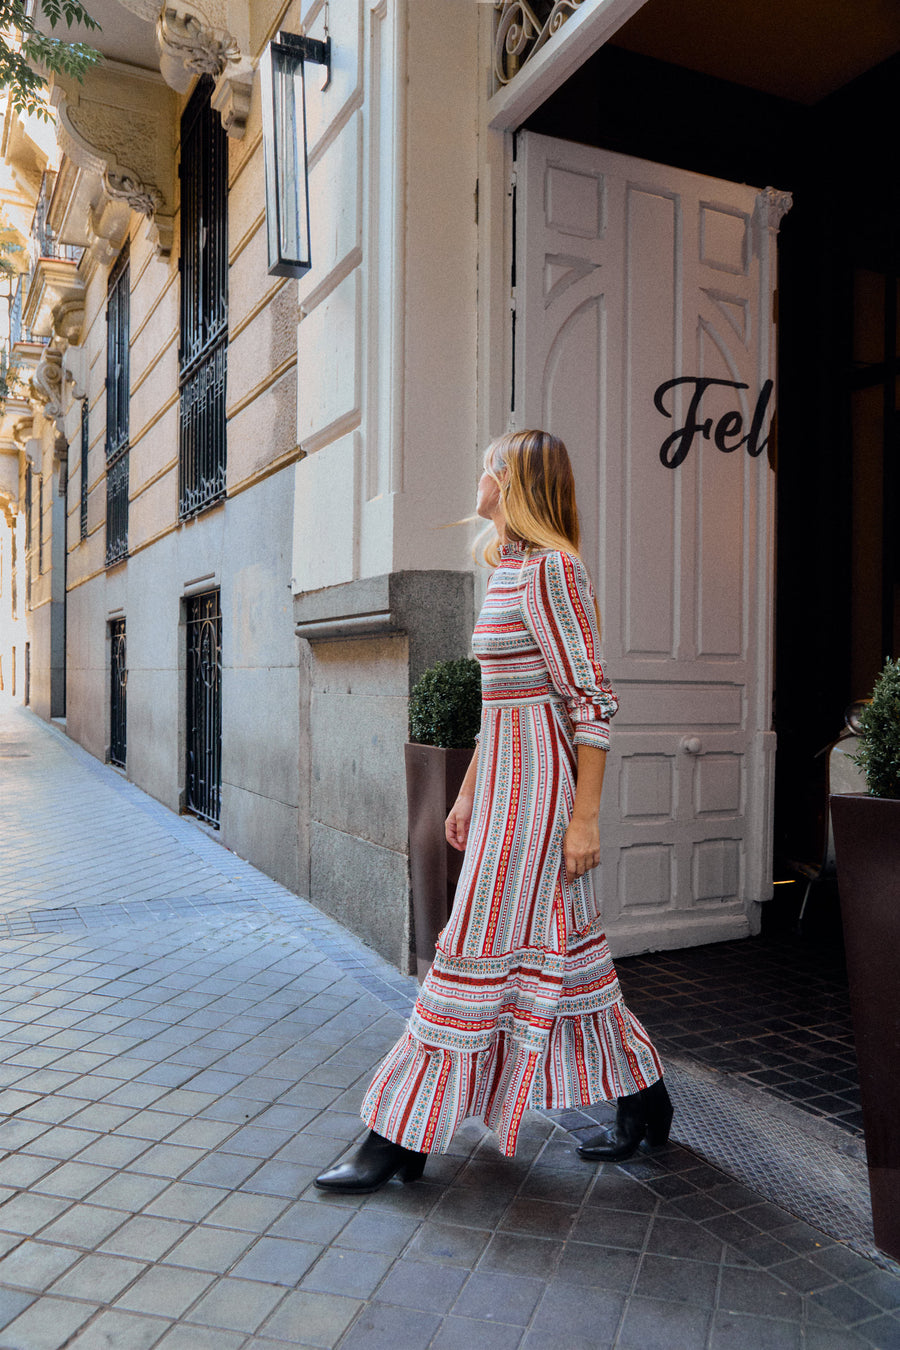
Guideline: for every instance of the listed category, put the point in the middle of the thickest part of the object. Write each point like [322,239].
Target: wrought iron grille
[40,524]
[204,304]
[85,444]
[203,787]
[118,690]
[118,336]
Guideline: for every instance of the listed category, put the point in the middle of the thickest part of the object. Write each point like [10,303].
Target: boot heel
[659,1120]
[413,1169]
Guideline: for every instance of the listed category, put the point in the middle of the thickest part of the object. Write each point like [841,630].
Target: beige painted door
[644,337]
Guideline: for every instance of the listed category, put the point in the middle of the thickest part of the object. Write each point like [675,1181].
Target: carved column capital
[120,125]
[771,208]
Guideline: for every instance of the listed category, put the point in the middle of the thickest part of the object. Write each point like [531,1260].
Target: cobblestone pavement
[184,1048]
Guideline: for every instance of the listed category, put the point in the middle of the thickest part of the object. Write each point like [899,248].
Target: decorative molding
[520,33]
[771,208]
[120,126]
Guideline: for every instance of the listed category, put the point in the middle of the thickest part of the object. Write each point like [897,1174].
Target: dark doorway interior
[838,566]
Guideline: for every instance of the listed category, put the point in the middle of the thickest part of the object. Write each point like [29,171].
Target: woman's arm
[581,843]
[457,825]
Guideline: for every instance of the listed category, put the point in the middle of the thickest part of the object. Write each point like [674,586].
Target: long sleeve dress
[522,1007]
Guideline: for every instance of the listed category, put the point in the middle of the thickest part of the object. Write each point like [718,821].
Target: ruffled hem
[421,1094]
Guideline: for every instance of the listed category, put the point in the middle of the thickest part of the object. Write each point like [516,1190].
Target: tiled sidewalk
[179,1064]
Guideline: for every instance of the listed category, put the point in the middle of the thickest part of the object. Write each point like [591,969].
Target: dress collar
[513,548]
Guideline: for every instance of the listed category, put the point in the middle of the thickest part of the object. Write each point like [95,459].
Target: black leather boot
[374,1163]
[642,1115]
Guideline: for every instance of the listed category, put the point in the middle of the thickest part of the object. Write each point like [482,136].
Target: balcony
[52,280]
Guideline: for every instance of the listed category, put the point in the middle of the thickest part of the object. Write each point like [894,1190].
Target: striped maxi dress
[522,1007]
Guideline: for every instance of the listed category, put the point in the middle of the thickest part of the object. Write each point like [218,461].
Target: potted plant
[444,716]
[867,845]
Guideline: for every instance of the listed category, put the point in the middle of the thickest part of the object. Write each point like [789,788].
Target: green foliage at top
[879,754]
[445,705]
[21,61]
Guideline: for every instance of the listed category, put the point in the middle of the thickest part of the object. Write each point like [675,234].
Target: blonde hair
[537,490]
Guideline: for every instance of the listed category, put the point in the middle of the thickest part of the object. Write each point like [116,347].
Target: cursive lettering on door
[727,432]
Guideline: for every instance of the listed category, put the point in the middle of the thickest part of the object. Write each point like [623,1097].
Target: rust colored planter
[433,779]
[867,844]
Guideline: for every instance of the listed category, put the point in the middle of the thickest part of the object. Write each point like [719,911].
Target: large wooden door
[644,337]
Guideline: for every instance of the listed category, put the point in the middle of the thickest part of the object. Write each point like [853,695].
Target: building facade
[234,493]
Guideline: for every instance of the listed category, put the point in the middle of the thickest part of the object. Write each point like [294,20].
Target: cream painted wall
[242,545]
[386,339]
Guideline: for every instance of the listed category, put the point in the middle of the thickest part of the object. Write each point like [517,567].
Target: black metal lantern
[284,138]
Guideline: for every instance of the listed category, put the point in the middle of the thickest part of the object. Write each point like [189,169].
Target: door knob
[691,745]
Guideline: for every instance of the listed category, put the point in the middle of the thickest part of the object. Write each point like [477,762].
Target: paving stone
[213,1249]
[98,1278]
[464,1333]
[35,1265]
[165,1287]
[28,1214]
[278,1260]
[47,1324]
[386,1327]
[145,1237]
[120,1331]
[13,1302]
[355,1274]
[128,1191]
[250,1213]
[310,1319]
[73,1180]
[490,1296]
[186,1337]
[734,1331]
[237,1305]
[653,1324]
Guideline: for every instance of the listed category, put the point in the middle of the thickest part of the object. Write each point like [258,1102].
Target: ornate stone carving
[198,41]
[771,207]
[120,125]
[141,197]
[47,384]
[187,39]
[521,33]
[68,318]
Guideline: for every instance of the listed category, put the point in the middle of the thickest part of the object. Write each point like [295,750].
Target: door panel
[644,339]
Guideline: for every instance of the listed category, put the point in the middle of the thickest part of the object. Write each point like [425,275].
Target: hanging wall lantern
[284,138]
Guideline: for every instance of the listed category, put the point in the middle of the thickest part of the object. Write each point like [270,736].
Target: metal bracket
[310,49]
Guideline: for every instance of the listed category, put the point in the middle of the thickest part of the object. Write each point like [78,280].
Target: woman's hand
[457,826]
[581,847]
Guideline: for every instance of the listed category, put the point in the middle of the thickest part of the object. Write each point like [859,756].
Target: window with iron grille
[29,551]
[204,304]
[203,770]
[118,336]
[85,442]
[40,524]
[118,687]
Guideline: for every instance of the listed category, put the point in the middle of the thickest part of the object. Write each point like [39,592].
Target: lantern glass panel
[284,132]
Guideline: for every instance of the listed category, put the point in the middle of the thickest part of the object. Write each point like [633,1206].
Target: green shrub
[445,705]
[879,754]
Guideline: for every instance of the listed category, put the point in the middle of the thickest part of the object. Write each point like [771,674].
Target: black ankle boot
[642,1115]
[374,1163]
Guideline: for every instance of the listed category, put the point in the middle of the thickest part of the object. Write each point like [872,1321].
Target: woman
[522,1007]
